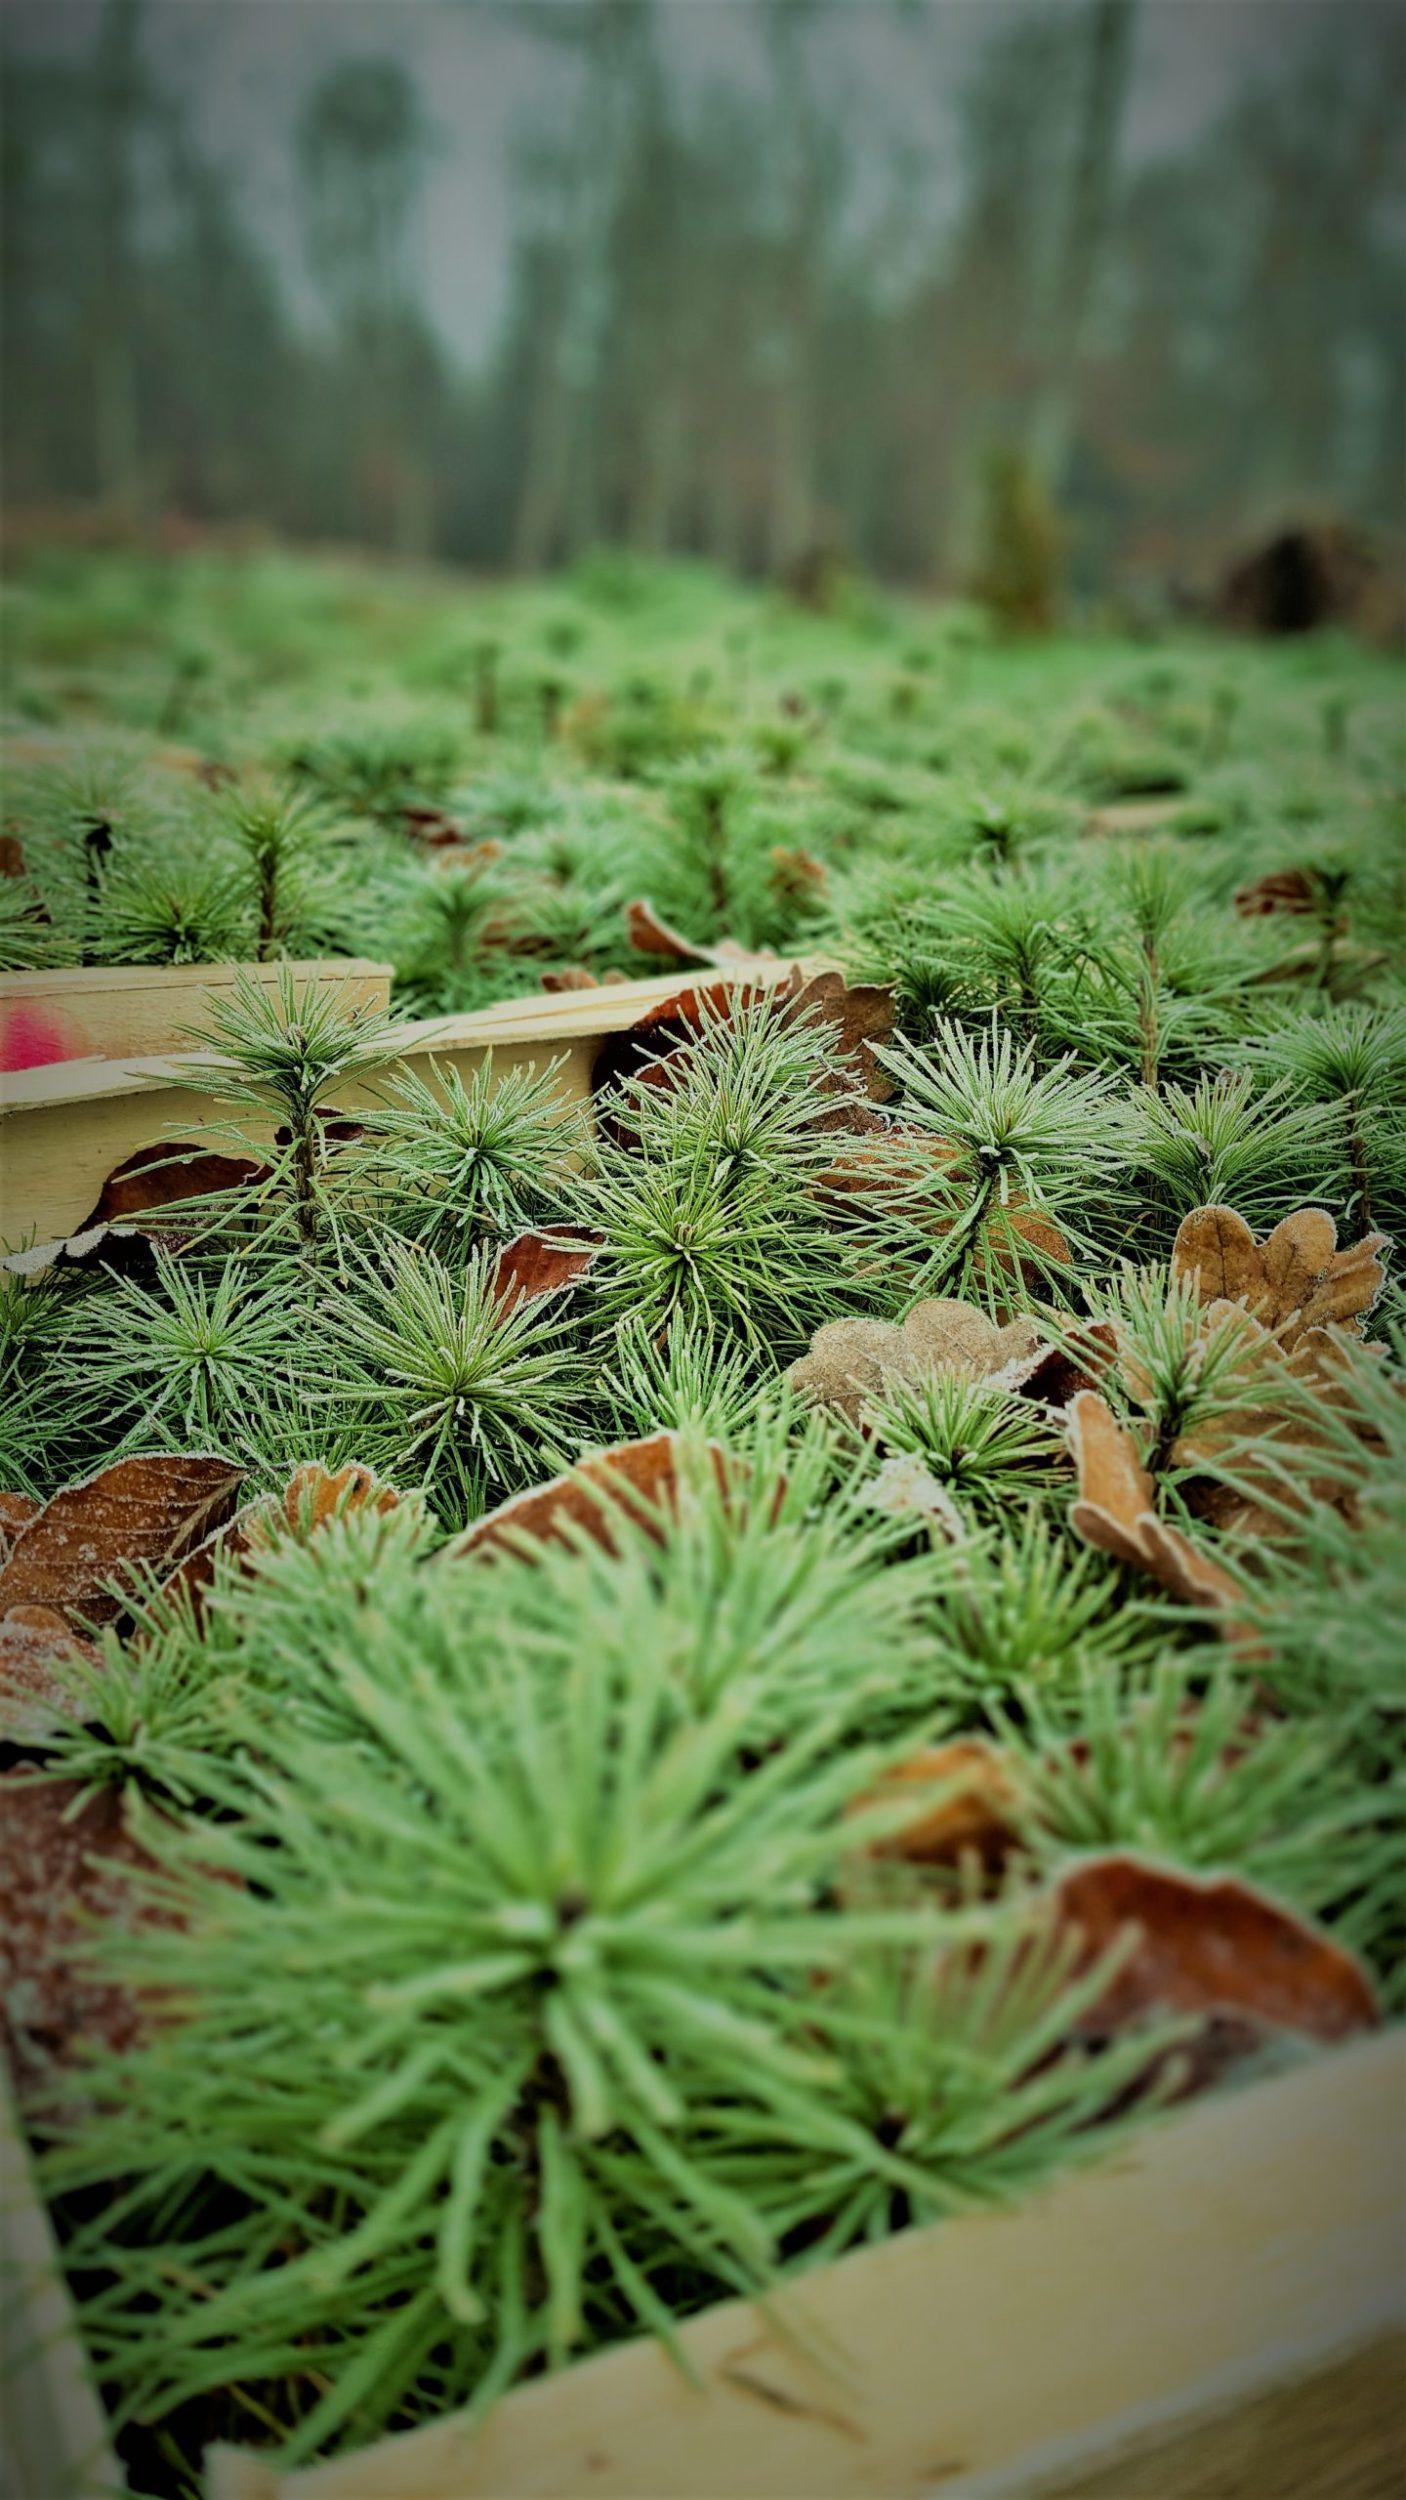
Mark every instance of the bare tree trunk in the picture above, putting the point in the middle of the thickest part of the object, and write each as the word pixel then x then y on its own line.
pixel 1054 407
pixel 793 517
pixel 117 93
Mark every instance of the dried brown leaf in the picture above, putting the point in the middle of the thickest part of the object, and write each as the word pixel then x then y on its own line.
pixel 852 1361
pixel 138 1513
pixel 162 1176
pixel 966 1804
pixel 640 1478
pixel 16 1512
pixel 1215 1251
pixel 1282 890
pixel 67 1864
pixel 548 1261
pixel 1210 1945
pixel 650 935
pixel 35 1696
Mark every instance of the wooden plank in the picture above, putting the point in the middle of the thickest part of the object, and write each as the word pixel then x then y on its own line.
pixel 53 2432
pixel 125 1011
pixel 1340 2435
pixel 67 1125
pixel 1216 2254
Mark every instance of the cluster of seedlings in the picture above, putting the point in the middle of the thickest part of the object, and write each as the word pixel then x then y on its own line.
pixel 643 1699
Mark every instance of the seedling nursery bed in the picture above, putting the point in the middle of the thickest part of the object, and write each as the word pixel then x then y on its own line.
pixel 700 1558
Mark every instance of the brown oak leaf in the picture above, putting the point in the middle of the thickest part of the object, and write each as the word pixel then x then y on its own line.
pixel 852 1361
pixel 313 1495
pixel 1294 1281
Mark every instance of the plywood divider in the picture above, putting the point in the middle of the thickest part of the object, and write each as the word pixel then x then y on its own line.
pixel 121 1011
pixel 64 1127
pixel 1222 2250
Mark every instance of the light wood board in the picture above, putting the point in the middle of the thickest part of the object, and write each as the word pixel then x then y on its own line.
pixel 1221 2251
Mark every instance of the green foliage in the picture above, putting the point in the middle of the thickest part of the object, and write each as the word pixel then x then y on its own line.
pixel 509 2039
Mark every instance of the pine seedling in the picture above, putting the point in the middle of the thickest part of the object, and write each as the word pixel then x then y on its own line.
pixel 1327 1615
pixel 1226 1142
pixel 152 1715
pixel 1186 1382
pixel 456 1392
pixel 1018 1609
pixel 1020 929
pixel 1177 1761
pixel 381 771
pixel 450 946
pixel 705 794
pixel 460 1161
pixel 36 1430
pixel 286 1053
pixel 166 910
pixel 497 1964
pixel 707 1198
pixel 671 1380
pixel 28 938
pixel 1016 1149
pixel 1350 1061
pixel 957 2087
pixel 182 1363
pixel 990 1451
pixel 275 835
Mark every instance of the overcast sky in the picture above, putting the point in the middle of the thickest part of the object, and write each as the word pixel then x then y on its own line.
pixel 246 66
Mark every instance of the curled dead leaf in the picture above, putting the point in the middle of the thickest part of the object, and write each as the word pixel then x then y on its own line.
pixel 141 1514
pixel 1294 1281
pixel 1115 1509
pixel 651 935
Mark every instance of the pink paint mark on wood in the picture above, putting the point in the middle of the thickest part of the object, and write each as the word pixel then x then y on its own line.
pixel 32 1037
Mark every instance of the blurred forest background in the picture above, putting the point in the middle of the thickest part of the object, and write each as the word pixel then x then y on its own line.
pixel 776 282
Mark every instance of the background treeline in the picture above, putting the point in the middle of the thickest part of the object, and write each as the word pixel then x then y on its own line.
pixel 705 347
